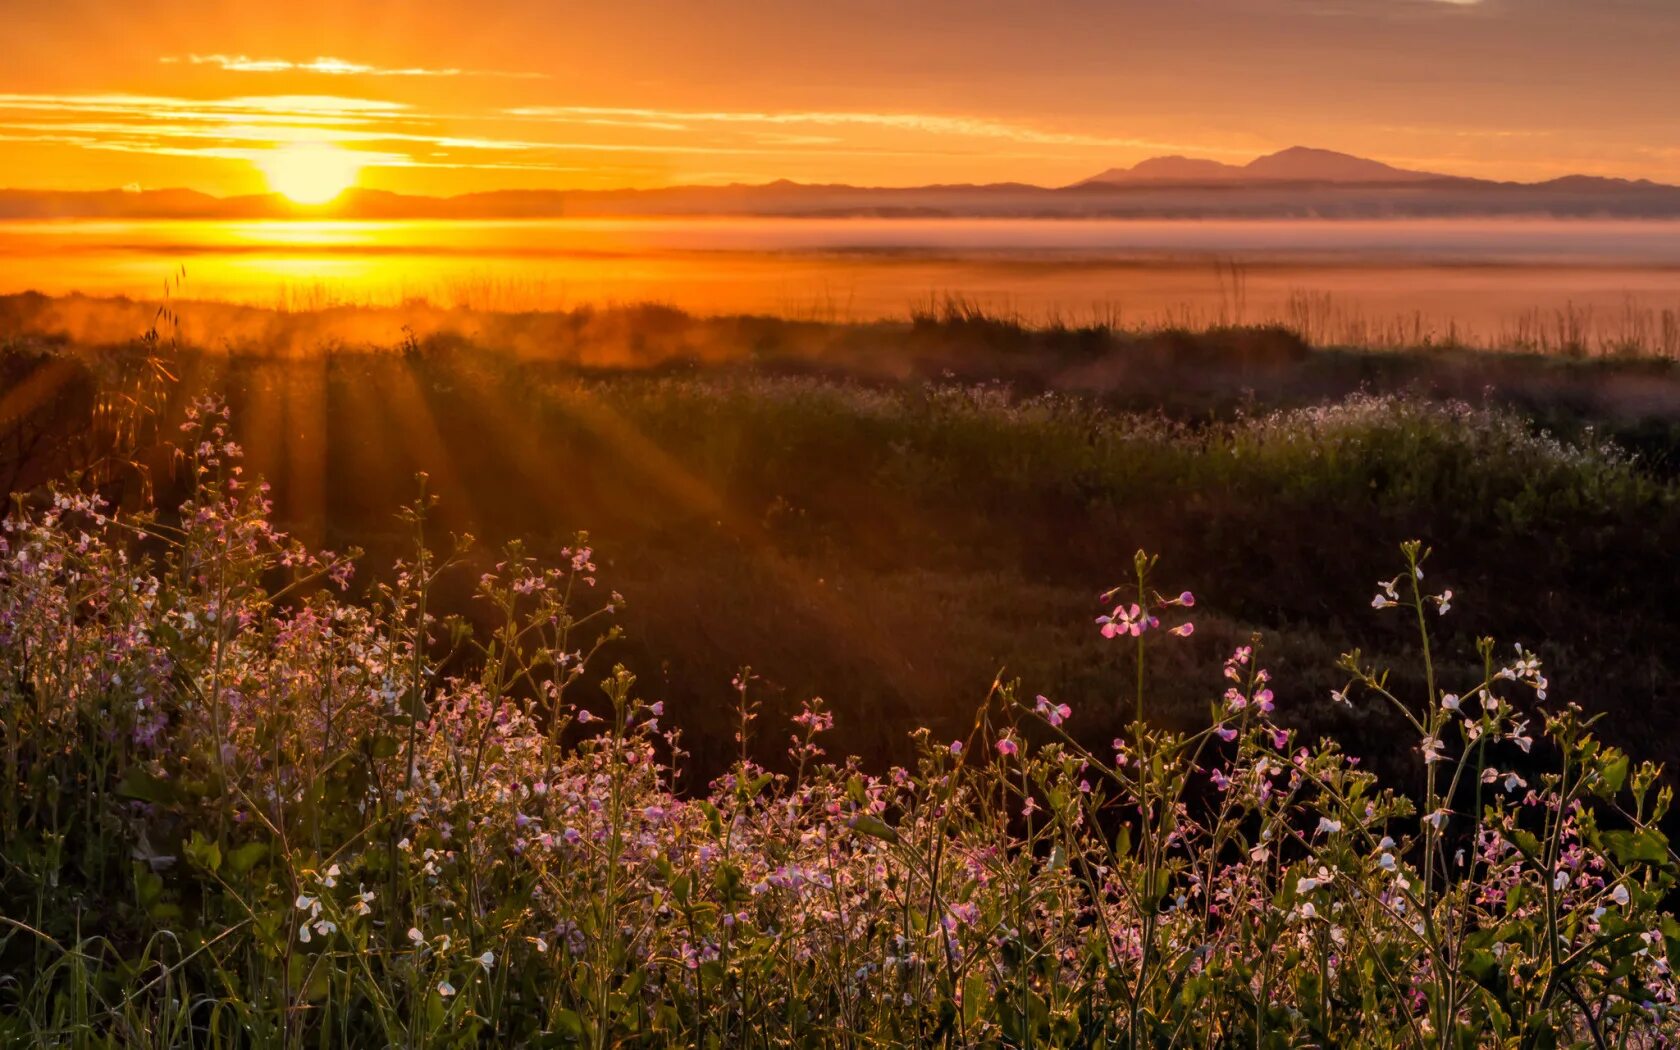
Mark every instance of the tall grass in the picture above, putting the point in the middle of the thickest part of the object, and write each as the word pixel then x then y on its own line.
pixel 240 809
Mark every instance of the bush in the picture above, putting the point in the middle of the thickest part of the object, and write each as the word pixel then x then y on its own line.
pixel 240 810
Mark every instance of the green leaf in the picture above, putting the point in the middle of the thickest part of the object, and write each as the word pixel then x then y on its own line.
pixel 567 1022
pixel 202 852
pixel 242 859
pixel 139 784
pixel 1648 845
pixel 873 826
pixel 1615 773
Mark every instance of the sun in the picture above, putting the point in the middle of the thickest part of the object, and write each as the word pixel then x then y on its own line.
pixel 309 173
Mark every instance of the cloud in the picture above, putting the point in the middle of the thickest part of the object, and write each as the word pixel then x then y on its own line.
pixel 382 133
pixel 329 66
pixel 935 124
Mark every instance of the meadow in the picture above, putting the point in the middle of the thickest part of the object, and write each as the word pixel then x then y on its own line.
pixel 1277 788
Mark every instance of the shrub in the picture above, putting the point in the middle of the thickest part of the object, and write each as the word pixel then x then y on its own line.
pixel 239 809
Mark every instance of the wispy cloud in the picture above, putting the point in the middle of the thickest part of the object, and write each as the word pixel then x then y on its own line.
pixel 926 123
pixel 328 66
pixel 383 133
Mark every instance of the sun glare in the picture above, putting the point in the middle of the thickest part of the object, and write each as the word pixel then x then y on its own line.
pixel 310 174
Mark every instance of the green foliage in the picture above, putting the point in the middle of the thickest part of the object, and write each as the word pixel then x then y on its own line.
pixel 241 809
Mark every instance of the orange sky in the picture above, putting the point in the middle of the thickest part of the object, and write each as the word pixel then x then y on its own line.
pixel 441 97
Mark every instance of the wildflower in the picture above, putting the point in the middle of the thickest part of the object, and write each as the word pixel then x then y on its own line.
pixel 1006 746
pixel 1055 714
pixel 1130 620
pixel 1519 736
pixel 364 898
pixel 1326 826
pixel 1386 862
pixel 1308 883
pixel 445 989
pixel 487 960
pixel 1263 700
pixel 1187 600
pixel 584 718
pixel 1620 895
pixel 1443 602
pixel 1560 880
pixel 415 936
pixel 1184 630
pixel 1432 748
pixel 331 878
pixel 1450 701
pixel 1388 596
pixel 957 747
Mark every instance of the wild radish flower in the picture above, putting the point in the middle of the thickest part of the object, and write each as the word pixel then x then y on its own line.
pixel 1432 748
pixel 1560 880
pixel 1519 736
pixel 1620 895
pixel 1443 602
pixel 1187 599
pixel 445 989
pixel 1184 630
pixel 415 936
pixel 1308 883
pixel 1386 862
pixel 584 718
pixel 1263 700
pixel 957 747
pixel 487 960
pixel 1326 826
pixel 1055 714
pixel 1450 701
pixel 1124 620
pixel 1006 746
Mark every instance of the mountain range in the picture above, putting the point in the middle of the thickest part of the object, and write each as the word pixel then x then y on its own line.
pixel 1298 182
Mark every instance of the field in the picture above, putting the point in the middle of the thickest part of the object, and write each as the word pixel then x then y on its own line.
pixel 902 519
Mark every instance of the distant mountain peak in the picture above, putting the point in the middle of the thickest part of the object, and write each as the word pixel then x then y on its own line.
pixel 1295 164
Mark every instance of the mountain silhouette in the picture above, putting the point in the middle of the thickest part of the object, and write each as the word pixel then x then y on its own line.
pixel 1295 164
